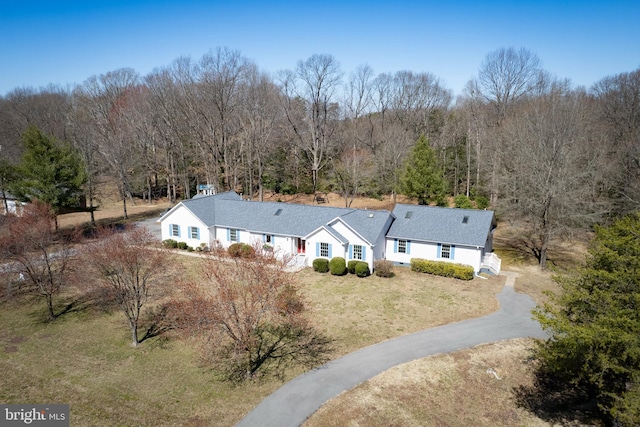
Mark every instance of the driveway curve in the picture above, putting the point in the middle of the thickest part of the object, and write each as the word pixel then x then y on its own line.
pixel 299 398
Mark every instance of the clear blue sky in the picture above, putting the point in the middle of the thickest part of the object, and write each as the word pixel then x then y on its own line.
pixel 67 41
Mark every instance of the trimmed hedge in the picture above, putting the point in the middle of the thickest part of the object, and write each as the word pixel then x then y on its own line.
pixel 338 266
pixel 241 250
pixel 170 243
pixel 321 265
pixel 351 266
pixel 441 268
pixel 362 269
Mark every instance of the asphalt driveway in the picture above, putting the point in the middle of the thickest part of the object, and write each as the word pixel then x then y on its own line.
pixel 299 398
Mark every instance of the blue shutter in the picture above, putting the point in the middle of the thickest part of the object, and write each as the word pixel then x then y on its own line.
pixel 197 233
pixel 439 250
pixel 350 251
pixel 317 248
pixel 453 251
pixel 264 238
pixel 189 232
pixel 228 234
pixel 395 246
pixel 273 239
pixel 364 253
pixel 329 250
pixel 178 230
pixel 408 247
pixel 238 236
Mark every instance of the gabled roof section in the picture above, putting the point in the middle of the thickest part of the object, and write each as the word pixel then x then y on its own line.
pixel 288 219
pixel 202 206
pixel 441 225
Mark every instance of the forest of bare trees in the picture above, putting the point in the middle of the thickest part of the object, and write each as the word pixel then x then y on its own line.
pixel 551 156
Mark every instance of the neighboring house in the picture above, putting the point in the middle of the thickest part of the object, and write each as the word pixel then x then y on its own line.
pixel 310 231
pixel 463 236
pixel 10 204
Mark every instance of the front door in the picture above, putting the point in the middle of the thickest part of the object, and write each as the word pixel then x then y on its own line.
pixel 301 246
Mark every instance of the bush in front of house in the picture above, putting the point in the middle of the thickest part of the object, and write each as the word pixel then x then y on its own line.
pixel 182 245
pixel 362 269
pixel 170 243
pixel 383 268
pixel 442 268
pixel 338 266
pixel 321 265
pixel 351 266
pixel 241 250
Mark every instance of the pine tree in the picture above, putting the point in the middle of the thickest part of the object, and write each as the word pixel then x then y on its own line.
pixel 50 171
pixel 423 177
pixel 594 349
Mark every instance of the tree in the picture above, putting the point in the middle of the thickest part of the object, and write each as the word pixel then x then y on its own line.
pixel 50 171
pixel 308 100
pixel 130 269
pixel 45 260
pixel 423 178
pixel 549 168
pixel 250 317
pixel 594 350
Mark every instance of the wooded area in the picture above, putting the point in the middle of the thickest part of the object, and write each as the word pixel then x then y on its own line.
pixel 548 155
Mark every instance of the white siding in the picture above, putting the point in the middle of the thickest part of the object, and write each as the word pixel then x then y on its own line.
pixel 184 219
pixel 337 249
pixel 461 254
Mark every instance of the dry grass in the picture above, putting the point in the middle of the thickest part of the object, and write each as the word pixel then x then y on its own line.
pixel 359 312
pixel 446 390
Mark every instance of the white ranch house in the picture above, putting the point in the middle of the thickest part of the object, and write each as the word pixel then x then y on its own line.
pixel 308 232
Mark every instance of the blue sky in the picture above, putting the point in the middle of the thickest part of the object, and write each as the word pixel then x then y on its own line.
pixel 67 41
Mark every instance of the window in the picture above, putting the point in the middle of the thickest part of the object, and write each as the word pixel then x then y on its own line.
pixel 194 232
pixel 445 251
pixel 402 246
pixel 324 250
pixel 357 252
pixel 268 238
pixel 174 230
pixel 233 235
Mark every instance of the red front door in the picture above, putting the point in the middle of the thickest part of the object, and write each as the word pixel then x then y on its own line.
pixel 301 246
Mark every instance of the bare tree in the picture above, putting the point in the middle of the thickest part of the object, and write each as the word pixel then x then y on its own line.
pixel 250 317
pixel 549 168
pixel 130 269
pixel 618 109
pixel 45 260
pixel 309 102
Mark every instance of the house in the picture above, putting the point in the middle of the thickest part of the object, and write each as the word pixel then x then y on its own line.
pixel 303 231
pixel 10 204
pixel 462 236
pixel 307 232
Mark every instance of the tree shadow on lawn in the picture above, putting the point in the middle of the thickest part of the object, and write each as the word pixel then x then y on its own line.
pixel 157 321
pixel 558 403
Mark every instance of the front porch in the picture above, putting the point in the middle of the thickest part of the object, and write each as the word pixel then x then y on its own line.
pixel 491 263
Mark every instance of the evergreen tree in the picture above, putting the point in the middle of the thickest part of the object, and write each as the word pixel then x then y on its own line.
pixel 50 171
pixel 423 177
pixel 594 349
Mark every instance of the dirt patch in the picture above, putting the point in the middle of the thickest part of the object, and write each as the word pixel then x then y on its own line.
pixel 113 211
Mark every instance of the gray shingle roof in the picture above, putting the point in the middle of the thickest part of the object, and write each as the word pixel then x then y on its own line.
pixel 291 220
pixel 441 225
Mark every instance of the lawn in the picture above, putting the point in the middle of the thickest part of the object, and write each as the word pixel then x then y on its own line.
pixel 84 358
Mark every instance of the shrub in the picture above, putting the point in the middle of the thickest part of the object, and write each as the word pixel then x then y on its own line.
pixel 441 268
pixel 383 268
pixel 170 243
pixel 321 265
pixel 362 269
pixel 189 249
pixel 462 201
pixel 241 250
pixel 351 266
pixel 182 245
pixel 482 202
pixel 338 266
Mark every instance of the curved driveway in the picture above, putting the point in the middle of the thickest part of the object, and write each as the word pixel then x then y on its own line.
pixel 299 398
